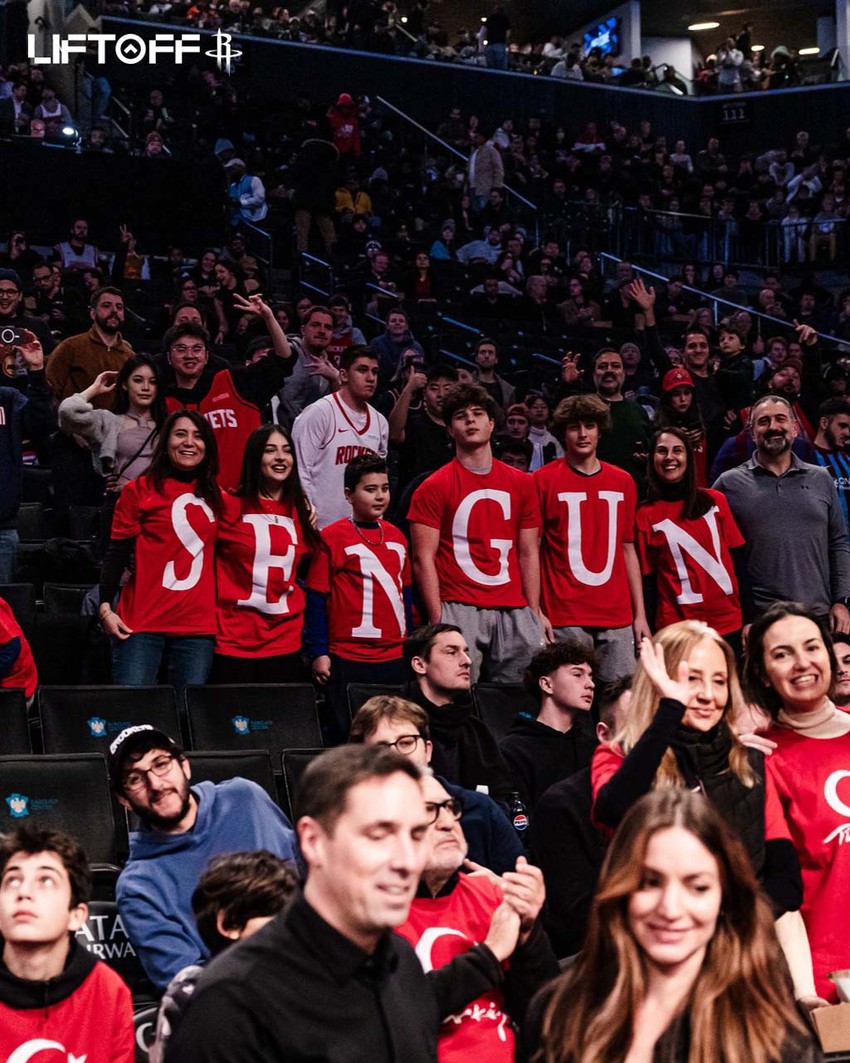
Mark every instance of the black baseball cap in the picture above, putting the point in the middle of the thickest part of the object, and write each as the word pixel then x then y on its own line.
pixel 140 739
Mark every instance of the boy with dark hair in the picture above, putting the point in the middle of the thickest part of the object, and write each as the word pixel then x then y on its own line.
pixel 358 595
pixel 559 741
pixel 590 574
pixel 235 897
pixel 53 993
pixel 337 428
pixel 474 525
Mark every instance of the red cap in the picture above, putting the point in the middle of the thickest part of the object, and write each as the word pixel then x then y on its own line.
pixel 677 378
pixel 344 100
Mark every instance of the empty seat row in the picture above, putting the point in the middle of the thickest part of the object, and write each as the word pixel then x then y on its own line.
pixel 274 717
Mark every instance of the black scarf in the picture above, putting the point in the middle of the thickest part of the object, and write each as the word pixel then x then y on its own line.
pixel 703 759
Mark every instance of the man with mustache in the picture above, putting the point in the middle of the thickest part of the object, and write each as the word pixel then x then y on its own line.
pixel 182 828
pixel 788 511
pixel 626 443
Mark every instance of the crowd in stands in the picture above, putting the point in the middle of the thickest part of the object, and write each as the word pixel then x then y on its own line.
pixel 641 540
pixel 416 32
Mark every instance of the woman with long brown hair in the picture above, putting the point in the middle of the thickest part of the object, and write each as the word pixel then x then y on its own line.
pixel 677 734
pixel 681 962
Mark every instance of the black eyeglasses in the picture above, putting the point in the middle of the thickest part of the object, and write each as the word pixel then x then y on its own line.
pixel 404 745
pixel 138 778
pixel 452 806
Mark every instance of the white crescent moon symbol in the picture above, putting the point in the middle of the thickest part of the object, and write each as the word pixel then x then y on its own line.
pixel 24 1053
pixel 830 792
pixel 426 943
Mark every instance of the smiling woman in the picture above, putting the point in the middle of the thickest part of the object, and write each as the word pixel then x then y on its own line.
pixel 790 669
pixel 167 519
pixel 677 734
pixel 680 958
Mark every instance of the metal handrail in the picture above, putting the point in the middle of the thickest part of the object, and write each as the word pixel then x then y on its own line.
pixel 459 324
pixel 448 147
pixel 457 357
pixel 719 299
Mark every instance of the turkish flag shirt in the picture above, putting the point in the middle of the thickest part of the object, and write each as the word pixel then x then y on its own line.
pixel 812 776
pixel 479 517
pixel 443 927
pixel 691 562
pixel 172 588
pixel 586 521
pixel 260 609
pixel 364 570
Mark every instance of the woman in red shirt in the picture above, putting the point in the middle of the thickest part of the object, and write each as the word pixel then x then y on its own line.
pixel 789 673
pixel 264 533
pixel 686 536
pixel 168 519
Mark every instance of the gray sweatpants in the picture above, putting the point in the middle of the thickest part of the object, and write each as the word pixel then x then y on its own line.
pixel 616 647
pixel 501 641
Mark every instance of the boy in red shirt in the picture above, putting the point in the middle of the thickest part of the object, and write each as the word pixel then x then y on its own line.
pixel 358 595
pixel 474 525
pixel 590 573
pixel 53 994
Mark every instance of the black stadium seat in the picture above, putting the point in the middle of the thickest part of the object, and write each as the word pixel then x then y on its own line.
pixel 68 793
pixel 219 765
pixel 498 703
pixel 359 694
pixel 85 719
pixel 104 936
pixel 293 762
pixel 272 716
pixel 14 727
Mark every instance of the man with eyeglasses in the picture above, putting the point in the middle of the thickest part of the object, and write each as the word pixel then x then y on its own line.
pixel 60 310
pixel 386 720
pixel 230 399
pixel 182 828
pixel 452 912
pixel 12 310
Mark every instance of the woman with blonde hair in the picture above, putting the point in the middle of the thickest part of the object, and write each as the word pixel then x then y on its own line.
pixel 678 734
pixel 681 960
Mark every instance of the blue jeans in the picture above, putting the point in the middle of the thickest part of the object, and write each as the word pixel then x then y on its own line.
pixel 136 661
pixel 496 56
pixel 8 555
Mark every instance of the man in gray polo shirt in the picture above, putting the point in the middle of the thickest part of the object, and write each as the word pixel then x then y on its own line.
pixel 787 510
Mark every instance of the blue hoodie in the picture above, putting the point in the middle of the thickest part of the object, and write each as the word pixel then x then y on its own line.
pixel 154 891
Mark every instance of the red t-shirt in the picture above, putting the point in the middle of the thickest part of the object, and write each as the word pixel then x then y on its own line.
pixel 365 571
pixel 232 420
pixel 691 562
pixel 260 608
pixel 586 521
pixel 23 675
pixel 172 589
pixel 812 776
pixel 479 518
pixel 441 928
pixel 94 1023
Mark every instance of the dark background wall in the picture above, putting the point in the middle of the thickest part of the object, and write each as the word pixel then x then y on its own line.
pixel 426 90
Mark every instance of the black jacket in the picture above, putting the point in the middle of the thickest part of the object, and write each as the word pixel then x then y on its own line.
pixel 299 991
pixel 539 755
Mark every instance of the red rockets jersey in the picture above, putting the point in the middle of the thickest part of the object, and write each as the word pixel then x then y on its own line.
pixel 441 928
pixel 365 579
pixel 94 1023
pixel 172 589
pixel 812 776
pixel 479 518
pixel 586 521
pixel 260 605
pixel 232 420
pixel 691 562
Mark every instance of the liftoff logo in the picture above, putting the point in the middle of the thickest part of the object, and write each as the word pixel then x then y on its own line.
pixel 130 49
